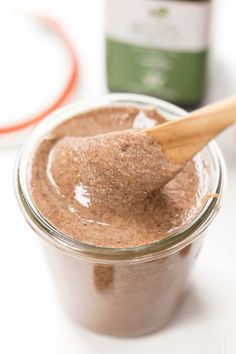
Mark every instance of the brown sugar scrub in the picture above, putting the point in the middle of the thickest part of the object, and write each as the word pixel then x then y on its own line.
pixel 115 169
pixel 98 179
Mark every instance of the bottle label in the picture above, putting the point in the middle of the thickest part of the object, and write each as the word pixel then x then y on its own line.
pixel 157 47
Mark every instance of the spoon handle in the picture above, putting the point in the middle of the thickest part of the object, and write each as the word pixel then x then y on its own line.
pixel 183 138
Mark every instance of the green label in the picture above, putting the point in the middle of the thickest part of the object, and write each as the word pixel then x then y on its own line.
pixel 177 76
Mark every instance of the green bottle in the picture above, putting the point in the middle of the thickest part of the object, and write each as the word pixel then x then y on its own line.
pixel 158 48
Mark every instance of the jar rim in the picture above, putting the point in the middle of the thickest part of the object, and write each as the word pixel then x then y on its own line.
pixel 173 242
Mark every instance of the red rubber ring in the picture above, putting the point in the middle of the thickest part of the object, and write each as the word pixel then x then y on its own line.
pixel 65 92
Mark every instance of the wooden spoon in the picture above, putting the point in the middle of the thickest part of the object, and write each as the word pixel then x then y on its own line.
pixel 183 138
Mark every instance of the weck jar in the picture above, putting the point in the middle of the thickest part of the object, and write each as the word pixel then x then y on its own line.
pixel 120 291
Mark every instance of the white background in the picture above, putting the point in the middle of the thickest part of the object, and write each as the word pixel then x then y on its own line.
pixel 30 318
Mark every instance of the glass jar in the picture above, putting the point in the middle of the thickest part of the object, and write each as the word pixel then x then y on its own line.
pixel 125 292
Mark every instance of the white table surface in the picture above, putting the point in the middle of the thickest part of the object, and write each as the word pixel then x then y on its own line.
pixel 31 321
